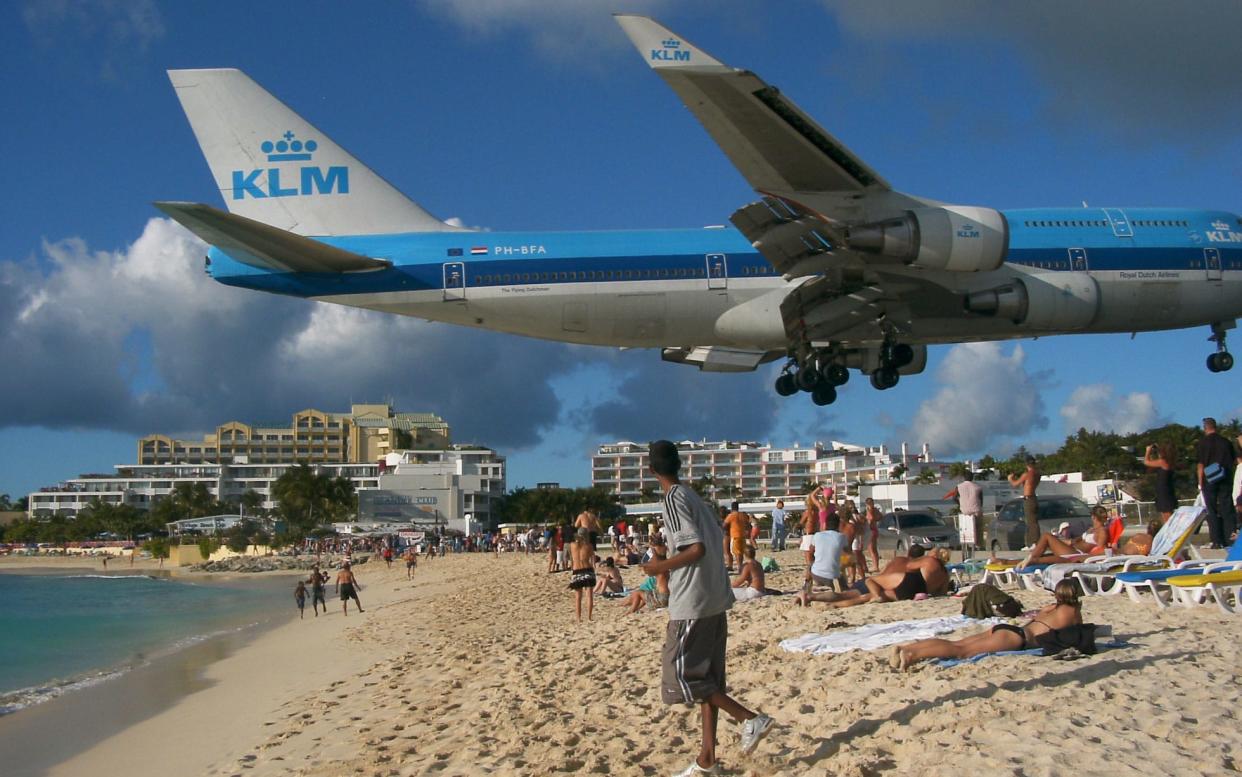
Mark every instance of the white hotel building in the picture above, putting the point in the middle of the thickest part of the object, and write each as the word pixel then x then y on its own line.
pixel 454 483
pixel 760 471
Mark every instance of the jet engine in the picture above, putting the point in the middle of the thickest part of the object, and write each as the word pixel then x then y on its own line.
pixel 1049 301
pixel 957 238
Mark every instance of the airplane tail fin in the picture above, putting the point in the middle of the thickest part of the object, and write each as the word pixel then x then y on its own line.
pixel 273 166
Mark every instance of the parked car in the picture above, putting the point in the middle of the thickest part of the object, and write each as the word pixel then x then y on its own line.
pixel 903 528
pixel 1007 531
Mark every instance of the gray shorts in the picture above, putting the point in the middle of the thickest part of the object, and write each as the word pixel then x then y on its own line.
pixel 694 659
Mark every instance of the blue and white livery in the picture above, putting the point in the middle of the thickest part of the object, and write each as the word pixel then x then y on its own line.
pixel 830 270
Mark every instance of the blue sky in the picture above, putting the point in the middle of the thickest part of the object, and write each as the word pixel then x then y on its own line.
pixel 539 115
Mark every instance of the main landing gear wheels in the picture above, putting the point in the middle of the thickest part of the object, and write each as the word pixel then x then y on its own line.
pixel 885 378
pixel 1222 360
pixel 817 375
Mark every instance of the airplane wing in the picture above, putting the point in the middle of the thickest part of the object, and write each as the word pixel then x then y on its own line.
pixel 775 146
pixel 261 245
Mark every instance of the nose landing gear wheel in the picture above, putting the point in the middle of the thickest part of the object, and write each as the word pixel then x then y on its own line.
pixel 786 385
pixel 824 395
pixel 1220 362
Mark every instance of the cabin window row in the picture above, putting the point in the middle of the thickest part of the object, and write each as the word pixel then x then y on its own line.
pixel 585 275
pixel 1067 223
pixel 1093 223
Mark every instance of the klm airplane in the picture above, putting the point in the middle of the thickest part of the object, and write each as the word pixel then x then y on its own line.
pixel 831 270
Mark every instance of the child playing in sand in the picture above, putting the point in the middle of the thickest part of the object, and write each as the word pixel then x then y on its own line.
pixel 299 596
pixel 582 557
pixel 654 590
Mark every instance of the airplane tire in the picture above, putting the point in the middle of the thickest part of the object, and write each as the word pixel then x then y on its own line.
pixel 1212 363
pixel 884 378
pixel 824 395
pixel 901 354
pixel 1224 361
pixel 786 385
pixel 835 375
pixel 808 377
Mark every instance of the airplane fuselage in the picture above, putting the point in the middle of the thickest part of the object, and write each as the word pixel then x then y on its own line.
pixel 1084 269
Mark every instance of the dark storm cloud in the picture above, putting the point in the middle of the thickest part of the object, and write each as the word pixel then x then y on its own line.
pixel 659 400
pixel 1159 70
pixel 141 341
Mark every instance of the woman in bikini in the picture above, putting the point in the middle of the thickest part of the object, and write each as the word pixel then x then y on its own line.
pixel 1067 611
pixel 1053 550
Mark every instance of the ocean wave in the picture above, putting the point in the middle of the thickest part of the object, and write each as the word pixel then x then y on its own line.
pixel 12 701
pixel 121 576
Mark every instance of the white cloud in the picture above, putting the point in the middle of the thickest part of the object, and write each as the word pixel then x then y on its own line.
pixel 986 396
pixel 1096 408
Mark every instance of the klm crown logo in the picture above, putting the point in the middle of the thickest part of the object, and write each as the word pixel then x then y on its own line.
pixel 289 149
pixel 1218 224
pixel 670 51
pixel 262 183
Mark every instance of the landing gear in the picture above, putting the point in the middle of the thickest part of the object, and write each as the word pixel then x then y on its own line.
pixel 824 395
pixel 885 378
pixel 1222 360
pixel 786 385
pixel 834 374
pixel 815 372
pixel 807 377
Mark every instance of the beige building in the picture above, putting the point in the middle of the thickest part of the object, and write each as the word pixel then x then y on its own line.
pixel 365 434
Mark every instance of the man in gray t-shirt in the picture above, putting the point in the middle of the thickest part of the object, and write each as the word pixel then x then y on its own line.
pixel 699 600
pixel 699 589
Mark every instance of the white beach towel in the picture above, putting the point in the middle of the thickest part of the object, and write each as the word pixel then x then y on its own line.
pixel 878 635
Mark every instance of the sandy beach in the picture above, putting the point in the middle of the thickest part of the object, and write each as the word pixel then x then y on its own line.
pixel 477 667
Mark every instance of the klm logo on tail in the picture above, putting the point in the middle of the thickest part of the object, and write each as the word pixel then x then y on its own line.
pixel 670 51
pixel 309 178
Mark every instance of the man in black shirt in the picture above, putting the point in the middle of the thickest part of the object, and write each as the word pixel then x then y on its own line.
pixel 1217 459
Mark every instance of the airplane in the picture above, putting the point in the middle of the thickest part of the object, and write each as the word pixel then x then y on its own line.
pixel 831 269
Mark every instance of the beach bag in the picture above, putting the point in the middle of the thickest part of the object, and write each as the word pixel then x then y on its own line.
pixel 1213 473
pixel 768 564
pixel 1080 637
pixel 988 601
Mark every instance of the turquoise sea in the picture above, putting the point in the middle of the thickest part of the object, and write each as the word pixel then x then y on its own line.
pixel 61 633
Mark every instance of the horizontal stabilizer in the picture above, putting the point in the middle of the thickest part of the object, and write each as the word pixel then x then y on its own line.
pixel 260 245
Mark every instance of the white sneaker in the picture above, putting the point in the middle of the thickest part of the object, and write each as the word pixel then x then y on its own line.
pixel 694 768
pixel 753 730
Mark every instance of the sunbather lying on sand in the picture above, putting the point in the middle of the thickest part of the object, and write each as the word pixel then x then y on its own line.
pixel 903 579
pixel 1067 611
